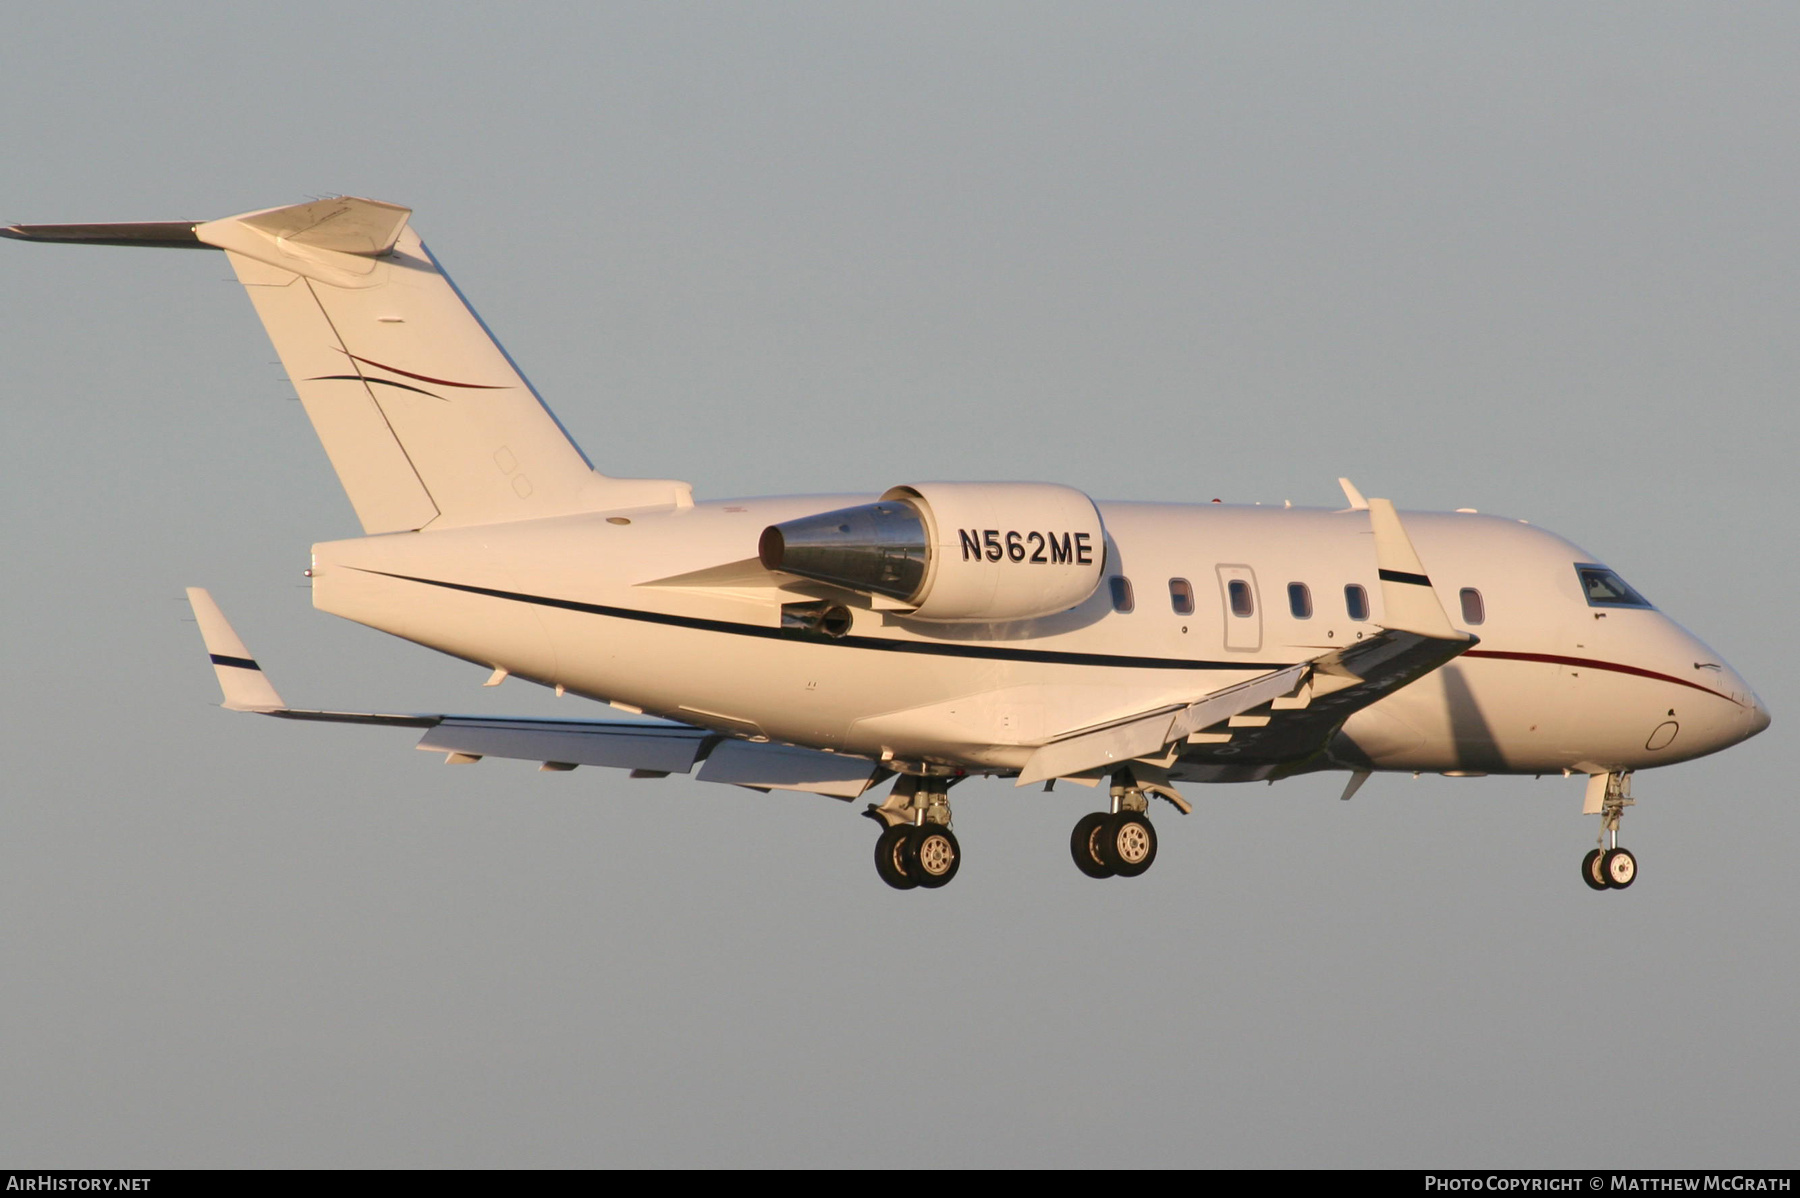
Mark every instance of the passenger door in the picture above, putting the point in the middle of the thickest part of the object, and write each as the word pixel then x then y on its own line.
pixel 1242 607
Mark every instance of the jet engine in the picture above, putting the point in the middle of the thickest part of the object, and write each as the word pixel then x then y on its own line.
pixel 953 551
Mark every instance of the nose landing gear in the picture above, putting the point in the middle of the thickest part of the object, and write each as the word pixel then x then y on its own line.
pixel 1609 867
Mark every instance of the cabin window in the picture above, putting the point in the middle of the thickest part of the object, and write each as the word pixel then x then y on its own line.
pixel 1243 603
pixel 1121 594
pixel 1603 588
pixel 1181 596
pixel 1300 600
pixel 1474 610
pixel 1356 601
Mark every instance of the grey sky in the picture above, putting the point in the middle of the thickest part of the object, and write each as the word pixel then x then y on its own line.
pixel 1532 259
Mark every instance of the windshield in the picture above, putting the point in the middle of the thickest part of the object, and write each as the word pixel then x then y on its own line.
pixel 1603 588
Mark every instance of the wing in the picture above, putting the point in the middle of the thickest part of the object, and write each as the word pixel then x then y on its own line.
pixel 648 750
pixel 1297 726
pixel 1291 714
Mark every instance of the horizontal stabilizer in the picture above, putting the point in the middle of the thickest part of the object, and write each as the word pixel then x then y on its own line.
pixel 159 234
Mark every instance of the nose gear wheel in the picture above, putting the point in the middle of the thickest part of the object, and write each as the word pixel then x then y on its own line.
pixel 1610 867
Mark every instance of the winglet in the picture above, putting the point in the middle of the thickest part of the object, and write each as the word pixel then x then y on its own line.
pixel 246 687
pixel 1409 604
pixel 1353 496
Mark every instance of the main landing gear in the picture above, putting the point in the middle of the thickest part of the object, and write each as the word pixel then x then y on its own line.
pixel 1610 867
pixel 1117 843
pixel 917 847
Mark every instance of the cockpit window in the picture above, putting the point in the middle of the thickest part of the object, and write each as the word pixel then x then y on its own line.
pixel 1603 588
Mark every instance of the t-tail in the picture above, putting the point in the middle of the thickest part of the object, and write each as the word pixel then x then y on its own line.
pixel 425 418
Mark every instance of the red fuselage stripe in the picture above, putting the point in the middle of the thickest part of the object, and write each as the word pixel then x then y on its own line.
pixel 1590 663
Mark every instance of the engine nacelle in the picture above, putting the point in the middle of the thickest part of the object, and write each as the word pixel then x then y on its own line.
pixel 954 551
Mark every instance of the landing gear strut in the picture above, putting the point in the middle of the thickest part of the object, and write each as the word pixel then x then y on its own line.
pixel 917 847
pixel 1117 843
pixel 1610 867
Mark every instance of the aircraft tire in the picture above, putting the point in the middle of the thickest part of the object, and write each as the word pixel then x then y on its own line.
pixel 1084 844
pixel 932 855
pixel 1590 870
pixel 890 857
pixel 1128 844
pixel 1619 867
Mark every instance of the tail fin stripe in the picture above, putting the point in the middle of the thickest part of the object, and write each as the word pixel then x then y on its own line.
pixel 423 378
pixel 363 378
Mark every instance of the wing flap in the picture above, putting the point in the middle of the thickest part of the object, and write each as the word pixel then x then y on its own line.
pixel 1339 685
pixel 1149 734
pixel 669 749
pixel 785 767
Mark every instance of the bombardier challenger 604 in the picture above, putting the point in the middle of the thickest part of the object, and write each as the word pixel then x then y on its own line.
pixel 934 631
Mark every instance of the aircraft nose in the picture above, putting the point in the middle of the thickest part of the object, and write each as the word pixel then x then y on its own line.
pixel 1752 715
pixel 1759 714
pixel 1737 714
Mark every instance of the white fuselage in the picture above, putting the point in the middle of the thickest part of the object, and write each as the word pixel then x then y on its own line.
pixel 598 604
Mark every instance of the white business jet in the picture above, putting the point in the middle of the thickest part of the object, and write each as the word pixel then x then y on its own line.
pixel 934 632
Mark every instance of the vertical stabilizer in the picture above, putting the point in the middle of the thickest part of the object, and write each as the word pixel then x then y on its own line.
pixel 422 413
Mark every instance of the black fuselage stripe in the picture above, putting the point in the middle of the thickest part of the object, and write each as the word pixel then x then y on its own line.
pixel 880 644
pixel 1418 580
pixel 242 663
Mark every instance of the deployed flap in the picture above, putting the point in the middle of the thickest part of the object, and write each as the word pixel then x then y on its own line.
pixel 1149 734
pixel 658 748
pixel 785 767
pixel 1339 684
